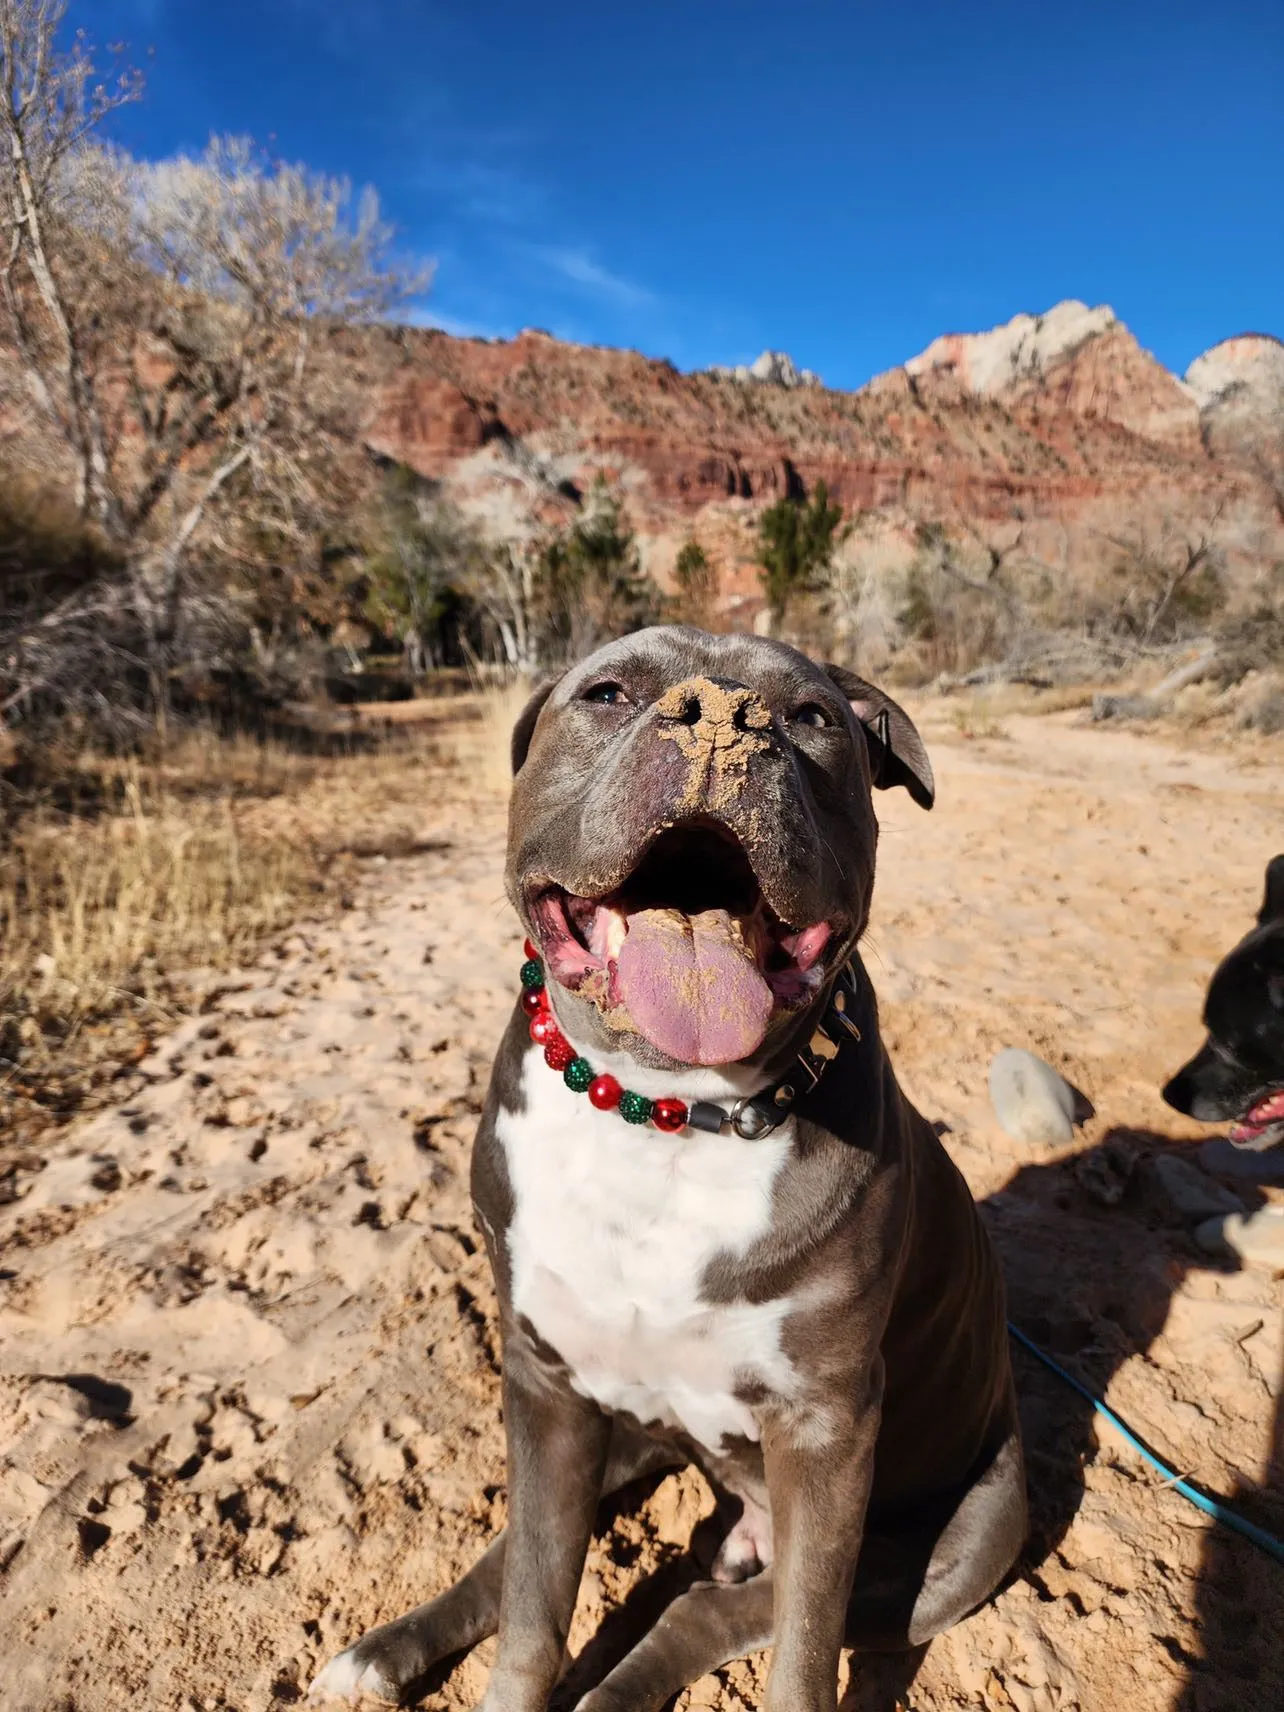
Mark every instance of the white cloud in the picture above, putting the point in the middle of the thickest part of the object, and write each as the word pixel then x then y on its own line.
pixel 426 316
pixel 580 269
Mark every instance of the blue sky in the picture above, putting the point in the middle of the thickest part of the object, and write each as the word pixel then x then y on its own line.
pixel 701 179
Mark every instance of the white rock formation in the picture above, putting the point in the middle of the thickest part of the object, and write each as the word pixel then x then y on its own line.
pixel 1250 366
pixel 1026 345
pixel 772 368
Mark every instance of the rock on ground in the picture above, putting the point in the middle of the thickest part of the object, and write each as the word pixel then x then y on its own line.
pixel 1032 1102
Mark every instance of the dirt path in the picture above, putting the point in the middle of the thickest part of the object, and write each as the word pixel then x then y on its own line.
pixel 248 1393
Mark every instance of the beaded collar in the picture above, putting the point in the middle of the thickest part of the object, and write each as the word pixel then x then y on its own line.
pixel 748 1118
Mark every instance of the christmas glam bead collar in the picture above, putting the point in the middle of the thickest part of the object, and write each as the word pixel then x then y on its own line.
pixel 749 1118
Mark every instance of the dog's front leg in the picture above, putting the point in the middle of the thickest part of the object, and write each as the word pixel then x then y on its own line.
pixel 818 1469
pixel 557 1450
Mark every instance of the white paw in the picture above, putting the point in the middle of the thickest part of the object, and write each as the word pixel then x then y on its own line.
pixel 344 1678
pixel 747 1549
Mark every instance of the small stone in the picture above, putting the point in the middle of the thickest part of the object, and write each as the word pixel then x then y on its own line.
pixel 1031 1101
pixel 1257 1238
pixel 1194 1195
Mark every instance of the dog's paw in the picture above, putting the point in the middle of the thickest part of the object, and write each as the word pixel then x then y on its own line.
pixel 348 1677
pixel 747 1549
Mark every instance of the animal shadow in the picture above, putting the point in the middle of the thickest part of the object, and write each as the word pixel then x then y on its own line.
pixel 1093 1252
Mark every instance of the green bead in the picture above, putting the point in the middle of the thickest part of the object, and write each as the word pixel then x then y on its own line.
pixel 532 975
pixel 577 1075
pixel 634 1108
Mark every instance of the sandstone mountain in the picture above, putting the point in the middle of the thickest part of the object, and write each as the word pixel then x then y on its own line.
pixel 1239 386
pixel 1055 437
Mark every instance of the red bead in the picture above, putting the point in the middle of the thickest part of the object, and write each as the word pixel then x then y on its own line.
pixel 530 949
pixel 543 1027
pixel 533 1001
pixel 670 1115
pixel 604 1093
pixel 558 1051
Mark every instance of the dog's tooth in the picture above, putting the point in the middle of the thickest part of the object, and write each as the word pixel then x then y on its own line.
pixel 617 929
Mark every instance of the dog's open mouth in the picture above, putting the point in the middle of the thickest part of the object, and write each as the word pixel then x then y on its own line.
pixel 1262 1125
pixel 687 951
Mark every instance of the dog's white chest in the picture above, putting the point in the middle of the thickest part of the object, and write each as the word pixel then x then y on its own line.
pixel 612 1231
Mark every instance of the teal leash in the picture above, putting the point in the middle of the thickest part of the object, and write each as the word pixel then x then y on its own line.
pixel 1210 1506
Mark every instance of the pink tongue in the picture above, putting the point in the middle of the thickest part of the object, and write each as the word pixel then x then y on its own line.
pixel 691 987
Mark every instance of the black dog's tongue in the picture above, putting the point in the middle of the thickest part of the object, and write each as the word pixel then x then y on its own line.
pixel 692 987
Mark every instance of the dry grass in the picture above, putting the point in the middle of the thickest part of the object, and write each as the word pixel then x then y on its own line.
pixel 491 739
pixel 94 913
pixel 978 722
pixel 119 880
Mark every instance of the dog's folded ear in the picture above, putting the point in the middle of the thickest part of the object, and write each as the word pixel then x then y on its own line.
pixel 896 752
pixel 524 730
pixel 1273 903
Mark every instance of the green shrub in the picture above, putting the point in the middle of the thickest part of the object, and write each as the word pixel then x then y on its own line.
pixel 796 544
pixel 697 584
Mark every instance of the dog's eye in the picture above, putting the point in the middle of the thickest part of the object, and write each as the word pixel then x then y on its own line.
pixel 606 695
pixel 810 713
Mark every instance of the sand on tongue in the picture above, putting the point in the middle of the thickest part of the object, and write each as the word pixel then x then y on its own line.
pixel 691 987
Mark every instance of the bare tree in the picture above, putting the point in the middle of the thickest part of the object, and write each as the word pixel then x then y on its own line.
pixel 51 100
pixel 166 317
pixel 1165 578
pixel 502 585
pixel 427 556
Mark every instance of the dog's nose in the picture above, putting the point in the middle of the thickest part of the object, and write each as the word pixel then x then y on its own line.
pixel 714 707
pixel 1177 1093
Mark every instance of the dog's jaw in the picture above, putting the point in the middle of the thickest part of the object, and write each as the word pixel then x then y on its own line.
pixel 686 953
pixel 1262 1125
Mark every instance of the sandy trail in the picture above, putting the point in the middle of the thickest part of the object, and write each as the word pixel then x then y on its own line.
pixel 248 1382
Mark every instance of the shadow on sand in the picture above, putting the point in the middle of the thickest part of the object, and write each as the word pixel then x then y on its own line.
pixel 1092 1285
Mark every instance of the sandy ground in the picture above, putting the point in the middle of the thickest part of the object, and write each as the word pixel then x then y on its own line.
pixel 248 1380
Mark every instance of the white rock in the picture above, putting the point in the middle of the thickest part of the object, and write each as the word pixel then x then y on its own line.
pixel 1251 365
pixel 1031 1101
pixel 1257 1238
pixel 772 368
pixel 1194 1195
pixel 1026 345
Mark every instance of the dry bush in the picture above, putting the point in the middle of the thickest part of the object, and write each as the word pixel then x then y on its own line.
pixel 1261 705
pixel 952 627
pixel 978 721
pixel 1252 639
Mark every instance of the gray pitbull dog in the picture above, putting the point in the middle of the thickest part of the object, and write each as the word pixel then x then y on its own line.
pixel 794 1291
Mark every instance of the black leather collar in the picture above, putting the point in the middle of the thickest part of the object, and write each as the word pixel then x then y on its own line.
pixel 759 1114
